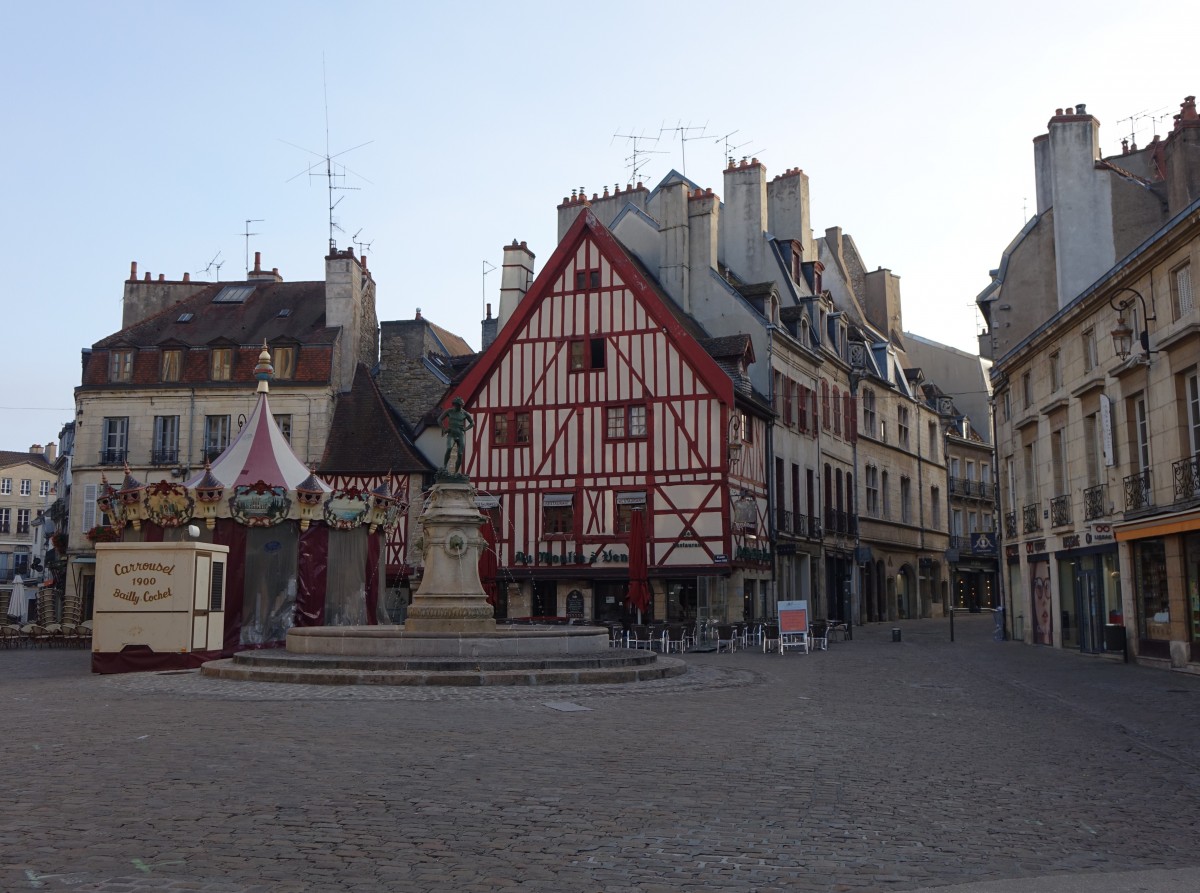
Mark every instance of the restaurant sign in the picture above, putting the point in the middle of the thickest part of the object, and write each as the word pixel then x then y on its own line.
pixel 599 556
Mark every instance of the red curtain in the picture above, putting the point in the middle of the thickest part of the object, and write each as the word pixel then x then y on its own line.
pixel 312 575
pixel 230 533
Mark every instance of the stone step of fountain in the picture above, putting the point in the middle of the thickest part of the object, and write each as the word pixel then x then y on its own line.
pixel 316 671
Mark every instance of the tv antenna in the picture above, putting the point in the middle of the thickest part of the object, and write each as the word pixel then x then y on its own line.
pixel 216 263
pixel 729 149
pixel 364 246
pixel 634 162
pixel 248 234
pixel 684 138
pixel 487 268
pixel 334 178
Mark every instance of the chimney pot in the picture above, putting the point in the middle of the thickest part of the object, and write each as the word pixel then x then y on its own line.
pixel 257 261
pixel 1058 112
pixel 489 310
pixel 187 277
pixel 162 277
pixel 147 278
pixel 1081 109
pixel 132 270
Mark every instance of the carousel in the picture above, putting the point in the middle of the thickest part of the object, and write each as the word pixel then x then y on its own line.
pixel 294 551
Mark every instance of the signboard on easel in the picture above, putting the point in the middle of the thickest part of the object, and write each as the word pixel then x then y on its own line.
pixel 793 617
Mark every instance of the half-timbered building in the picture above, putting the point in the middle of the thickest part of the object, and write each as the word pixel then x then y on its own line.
pixel 597 399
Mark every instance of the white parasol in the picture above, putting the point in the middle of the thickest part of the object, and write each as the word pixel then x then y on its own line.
pixel 18 604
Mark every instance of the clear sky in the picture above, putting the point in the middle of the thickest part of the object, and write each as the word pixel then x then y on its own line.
pixel 152 131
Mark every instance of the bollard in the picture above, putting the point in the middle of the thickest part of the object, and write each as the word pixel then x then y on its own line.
pixel 895 634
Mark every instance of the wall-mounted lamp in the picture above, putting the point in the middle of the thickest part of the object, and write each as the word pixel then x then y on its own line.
pixel 1122 335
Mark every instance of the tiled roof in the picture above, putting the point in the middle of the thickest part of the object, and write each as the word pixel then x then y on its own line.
pixel 16 457
pixel 365 437
pixel 243 325
pixel 726 346
pixel 247 322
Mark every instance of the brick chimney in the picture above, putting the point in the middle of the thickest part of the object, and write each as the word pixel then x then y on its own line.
pixel 567 212
pixel 490 329
pixel 51 452
pixel 146 297
pixel 1183 158
pixel 516 274
pixel 743 248
pixel 350 304
pixel 788 211
pixel 704 227
pixel 1082 200
pixel 258 274
pixel 674 259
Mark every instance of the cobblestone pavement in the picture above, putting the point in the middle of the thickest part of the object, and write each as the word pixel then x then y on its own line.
pixel 876 765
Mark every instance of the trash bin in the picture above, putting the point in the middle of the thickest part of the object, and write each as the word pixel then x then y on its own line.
pixel 1114 637
pixel 895 634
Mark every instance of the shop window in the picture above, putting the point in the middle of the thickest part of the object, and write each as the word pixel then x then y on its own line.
pixel 1150 586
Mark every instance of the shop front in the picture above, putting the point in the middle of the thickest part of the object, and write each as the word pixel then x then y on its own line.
pixel 1089 586
pixel 1163 558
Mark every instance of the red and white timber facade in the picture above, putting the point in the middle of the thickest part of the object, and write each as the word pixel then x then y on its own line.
pixel 596 400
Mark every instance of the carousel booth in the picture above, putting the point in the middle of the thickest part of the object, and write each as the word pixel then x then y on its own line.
pixel 295 551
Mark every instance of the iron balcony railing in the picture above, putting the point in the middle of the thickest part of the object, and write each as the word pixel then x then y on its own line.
pixel 165 457
pixel 1095 502
pixel 1032 518
pixel 113 457
pixel 1187 480
pixel 1010 525
pixel 1060 511
pixel 1138 494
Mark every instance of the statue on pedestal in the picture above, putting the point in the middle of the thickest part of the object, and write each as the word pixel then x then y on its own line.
pixel 455 422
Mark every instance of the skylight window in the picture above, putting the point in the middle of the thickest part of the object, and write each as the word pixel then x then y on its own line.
pixel 284 313
pixel 233 294
pixel 185 317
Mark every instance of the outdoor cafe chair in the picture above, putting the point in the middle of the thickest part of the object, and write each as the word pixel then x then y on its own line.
pixel 726 637
pixel 676 637
pixel 10 637
pixel 818 635
pixel 770 637
pixel 639 637
pixel 36 634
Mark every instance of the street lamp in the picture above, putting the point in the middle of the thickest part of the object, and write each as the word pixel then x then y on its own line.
pixel 1122 335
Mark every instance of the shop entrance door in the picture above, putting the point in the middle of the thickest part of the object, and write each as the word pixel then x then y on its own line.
pixel 545 598
pixel 1089 610
pixel 711 605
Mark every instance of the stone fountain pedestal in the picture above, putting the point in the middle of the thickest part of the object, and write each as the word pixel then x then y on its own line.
pixel 450 636
pixel 451 598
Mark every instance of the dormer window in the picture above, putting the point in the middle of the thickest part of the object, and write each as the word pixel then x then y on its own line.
pixel 222 364
pixel 172 364
pixel 120 365
pixel 284 361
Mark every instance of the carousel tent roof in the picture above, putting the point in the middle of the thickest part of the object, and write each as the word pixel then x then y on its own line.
pixel 260 452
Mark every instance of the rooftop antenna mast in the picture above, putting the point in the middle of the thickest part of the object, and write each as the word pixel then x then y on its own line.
pixel 729 150
pixel 208 267
pixel 487 268
pixel 248 234
pixel 684 138
pixel 334 179
pixel 633 162
pixel 364 246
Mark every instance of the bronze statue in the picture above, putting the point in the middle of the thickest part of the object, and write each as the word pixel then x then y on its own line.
pixel 456 422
